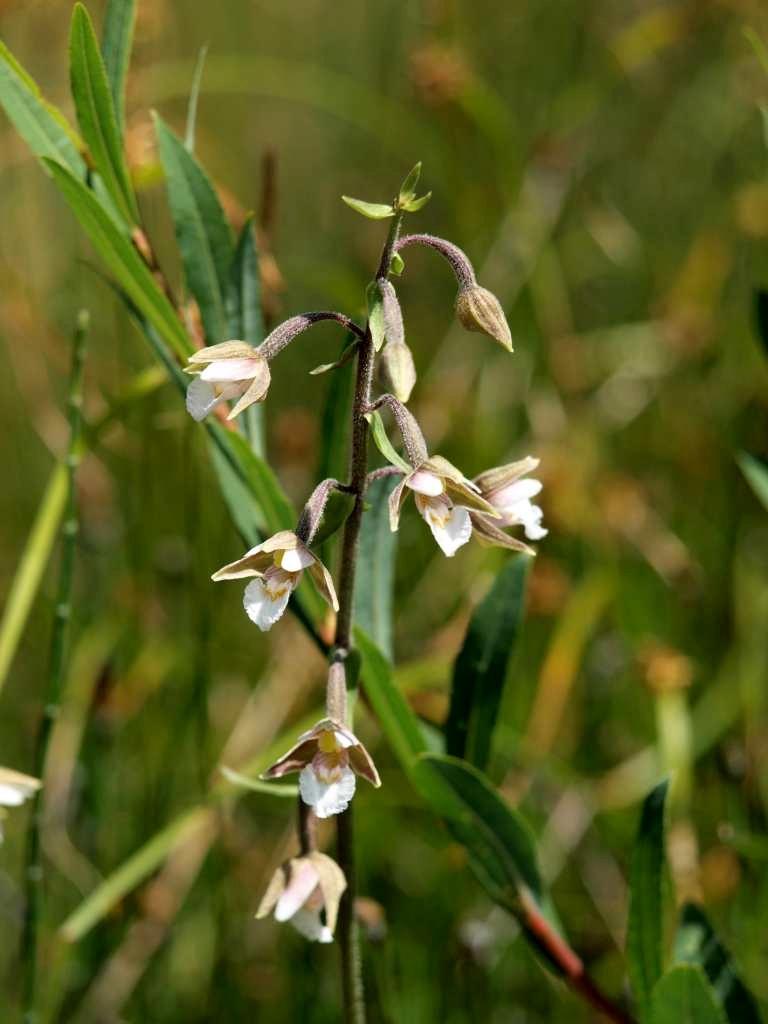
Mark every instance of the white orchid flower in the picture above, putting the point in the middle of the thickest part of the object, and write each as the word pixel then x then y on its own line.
pixel 444 497
pixel 305 891
pixel 277 564
pixel 510 495
pixel 231 371
pixel 329 757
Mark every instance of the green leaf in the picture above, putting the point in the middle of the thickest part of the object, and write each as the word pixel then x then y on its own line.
pixel 202 231
pixel 499 843
pixel 116 41
pixel 130 271
pixel 646 918
pixel 683 996
pixel 96 114
pixel 334 426
pixel 276 511
pixel 32 565
pixel 382 442
pixel 259 785
pixel 347 355
pixel 374 211
pixel 244 319
pixel 480 668
pixel 374 592
pixel 696 942
pixel 761 309
pixel 408 188
pixel 194 95
pixel 414 205
pixel 41 125
pixel 397 266
pixel 756 474
pixel 133 871
pixel 375 314
pixel 400 724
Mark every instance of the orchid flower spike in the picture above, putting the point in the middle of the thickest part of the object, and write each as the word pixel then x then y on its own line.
pixel 510 495
pixel 444 497
pixel 15 788
pixel 329 757
pixel 277 564
pixel 225 372
pixel 306 891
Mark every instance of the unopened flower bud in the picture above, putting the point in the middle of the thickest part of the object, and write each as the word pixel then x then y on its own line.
pixel 479 310
pixel 398 370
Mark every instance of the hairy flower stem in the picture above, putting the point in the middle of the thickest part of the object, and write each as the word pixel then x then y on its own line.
pixel 349 941
pixel 57 675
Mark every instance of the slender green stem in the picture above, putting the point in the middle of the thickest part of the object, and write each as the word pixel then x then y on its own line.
pixel 57 673
pixel 348 937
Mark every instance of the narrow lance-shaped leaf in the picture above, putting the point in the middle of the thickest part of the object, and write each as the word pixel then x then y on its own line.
pixel 334 452
pixel 96 114
pixel 244 319
pixel 116 41
pixel 382 442
pixel 130 271
pixel 645 927
pixel 480 668
pixel 498 841
pixel 696 942
pixel 374 211
pixel 202 231
pixel 400 724
pixel 374 591
pixel 39 123
pixel 756 475
pixel 684 996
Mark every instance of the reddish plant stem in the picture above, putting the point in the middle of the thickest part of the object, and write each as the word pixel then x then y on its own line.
pixel 541 933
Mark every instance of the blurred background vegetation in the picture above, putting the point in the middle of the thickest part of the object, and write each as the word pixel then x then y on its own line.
pixel 603 164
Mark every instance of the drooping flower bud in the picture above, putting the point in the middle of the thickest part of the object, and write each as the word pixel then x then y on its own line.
pixel 306 892
pixel 479 310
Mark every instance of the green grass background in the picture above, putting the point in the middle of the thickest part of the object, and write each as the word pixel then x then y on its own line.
pixel 603 164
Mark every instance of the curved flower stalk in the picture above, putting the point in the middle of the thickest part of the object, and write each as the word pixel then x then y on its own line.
pixel 306 891
pixel 510 495
pixel 232 370
pixel 329 757
pixel 444 498
pixel 15 788
pixel 477 309
pixel 277 564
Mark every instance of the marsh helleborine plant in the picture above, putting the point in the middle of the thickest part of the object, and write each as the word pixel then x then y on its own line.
pixel 311 890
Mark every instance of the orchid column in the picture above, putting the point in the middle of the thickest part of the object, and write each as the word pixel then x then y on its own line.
pixel 311 890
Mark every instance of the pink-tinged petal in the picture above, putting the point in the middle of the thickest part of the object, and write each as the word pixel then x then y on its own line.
pixel 520 490
pixel 224 350
pixel 202 399
pixel 298 757
pixel 324 583
pixel 301 884
pixel 295 560
pixel 362 764
pixel 309 924
pixel 424 482
pixel 261 606
pixel 255 392
pixel 396 499
pixel 253 563
pixel 330 798
pixel 487 533
pixel 501 476
pixel 221 370
pixel 450 525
